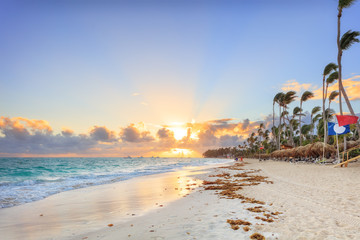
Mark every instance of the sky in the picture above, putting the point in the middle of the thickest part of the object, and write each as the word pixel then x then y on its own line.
pixel 156 77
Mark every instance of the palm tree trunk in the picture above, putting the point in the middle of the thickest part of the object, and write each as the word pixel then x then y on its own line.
pixel 300 122
pixel 279 130
pixel 324 117
pixel 339 58
pixel 291 137
pixel 339 64
pixel 349 105
pixel 273 129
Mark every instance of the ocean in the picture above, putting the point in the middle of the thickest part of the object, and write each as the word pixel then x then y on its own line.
pixel 24 180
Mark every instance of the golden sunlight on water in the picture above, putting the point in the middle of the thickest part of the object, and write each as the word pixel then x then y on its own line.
pixel 179 152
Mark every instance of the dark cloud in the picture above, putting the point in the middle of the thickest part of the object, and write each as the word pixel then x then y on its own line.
pixel 102 134
pixel 245 124
pixel 164 133
pixel 132 134
pixel 230 140
pixel 224 120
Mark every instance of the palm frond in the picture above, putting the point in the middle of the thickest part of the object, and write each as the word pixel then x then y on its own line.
pixel 329 113
pixel 306 96
pixel 306 129
pixel 345 3
pixel 317 117
pixel 333 95
pixel 296 110
pixel 348 39
pixel 277 97
pixel 334 76
pixel 284 113
pixel 315 110
pixel 330 67
pixel 289 97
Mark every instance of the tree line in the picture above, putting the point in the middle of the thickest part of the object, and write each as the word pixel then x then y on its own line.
pixel 291 130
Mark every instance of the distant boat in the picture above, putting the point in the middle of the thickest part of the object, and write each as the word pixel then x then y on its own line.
pixel 128 157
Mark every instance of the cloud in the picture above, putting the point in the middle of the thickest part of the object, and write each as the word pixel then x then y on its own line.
pixel 66 132
pixel 24 137
pixel 351 85
pixel 102 134
pixel 293 85
pixel 164 133
pixel 133 134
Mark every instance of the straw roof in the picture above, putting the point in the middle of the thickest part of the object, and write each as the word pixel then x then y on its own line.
pixel 349 144
pixel 316 149
pixel 310 150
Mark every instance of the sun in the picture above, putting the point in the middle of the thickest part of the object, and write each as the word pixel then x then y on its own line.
pixel 179 132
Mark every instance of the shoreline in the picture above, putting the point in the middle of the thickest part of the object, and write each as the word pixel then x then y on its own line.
pixel 75 212
pixel 313 202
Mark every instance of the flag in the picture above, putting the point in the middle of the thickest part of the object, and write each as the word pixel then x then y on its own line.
pixel 334 128
pixel 261 147
pixel 346 119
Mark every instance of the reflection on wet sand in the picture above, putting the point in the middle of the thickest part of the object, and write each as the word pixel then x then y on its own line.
pixel 69 213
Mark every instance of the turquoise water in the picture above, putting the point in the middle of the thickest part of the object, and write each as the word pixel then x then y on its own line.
pixel 25 180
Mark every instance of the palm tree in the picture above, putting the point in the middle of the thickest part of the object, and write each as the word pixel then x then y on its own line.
pixel 304 97
pixel 332 96
pixel 330 80
pixel 288 98
pixel 343 44
pixel 276 99
pixel 280 98
pixel 260 131
pixel 314 111
pixel 305 130
pixel 327 70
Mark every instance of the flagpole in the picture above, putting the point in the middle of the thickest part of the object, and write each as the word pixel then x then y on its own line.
pixel 337 144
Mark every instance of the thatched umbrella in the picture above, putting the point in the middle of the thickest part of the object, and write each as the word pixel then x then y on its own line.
pixel 300 151
pixel 316 149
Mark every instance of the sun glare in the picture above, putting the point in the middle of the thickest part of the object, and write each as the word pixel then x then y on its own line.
pixel 178 152
pixel 179 133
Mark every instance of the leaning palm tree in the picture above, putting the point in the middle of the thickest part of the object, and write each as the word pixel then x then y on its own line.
pixel 305 130
pixel 330 80
pixel 304 97
pixel 288 98
pixel 343 44
pixel 314 111
pixel 279 102
pixel 276 99
pixel 327 70
pixel 332 96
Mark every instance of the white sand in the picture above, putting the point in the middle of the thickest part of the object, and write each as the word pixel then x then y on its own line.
pixel 318 202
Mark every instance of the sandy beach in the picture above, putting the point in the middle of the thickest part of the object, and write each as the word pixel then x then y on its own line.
pixel 313 202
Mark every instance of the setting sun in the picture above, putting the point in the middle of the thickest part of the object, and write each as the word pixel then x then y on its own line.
pixel 179 132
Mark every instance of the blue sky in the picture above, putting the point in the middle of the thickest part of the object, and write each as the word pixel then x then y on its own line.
pixel 78 63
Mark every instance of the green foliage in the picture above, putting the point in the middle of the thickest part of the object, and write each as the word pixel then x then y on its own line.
pixel 330 67
pixel 315 110
pixel 333 76
pixel 333 95
pixel 288 98
pixel 306 96
pixel 305 129
pixel 348 39
pixel 345 3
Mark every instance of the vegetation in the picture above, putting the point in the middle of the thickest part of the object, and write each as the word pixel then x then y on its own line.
pixel 291 131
